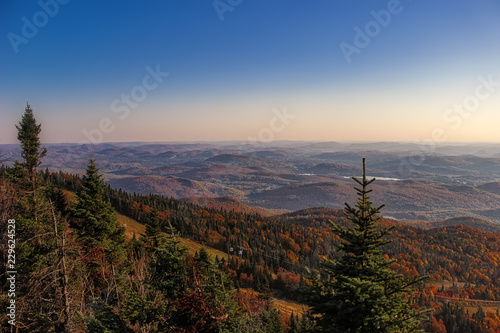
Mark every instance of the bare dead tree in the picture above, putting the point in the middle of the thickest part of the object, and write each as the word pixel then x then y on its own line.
pixel 60 244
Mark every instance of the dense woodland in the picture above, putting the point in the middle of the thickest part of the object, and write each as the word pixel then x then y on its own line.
pixel 79 273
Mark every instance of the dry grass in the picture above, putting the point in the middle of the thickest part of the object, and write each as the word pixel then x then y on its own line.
pixel 446 283
pixel 288 307
pixel 473 309
pixel 131 226
pixel 193 247
pixel 469 305
pixel 284 306
pixel 70 196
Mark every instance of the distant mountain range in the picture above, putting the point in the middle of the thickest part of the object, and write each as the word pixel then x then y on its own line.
pixel 468 221
pixel 416 182
pixel 405 199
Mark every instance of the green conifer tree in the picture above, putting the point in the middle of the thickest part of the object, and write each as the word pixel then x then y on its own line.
pixel 359 292
pixel 271 321
pixel 202 259
pixel 168 267
pixel 153 228
pixel 39 292
pixel 294 323
pixel 28 132
pixel 32 211
pixel 96 220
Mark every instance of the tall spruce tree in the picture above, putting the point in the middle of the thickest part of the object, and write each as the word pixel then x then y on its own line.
pixel 25 175
pixel 153 228
pixel 32 211
pixel 96 220
pixel 39 293
pixel 28 132
pixel 168 266
pixel 359 292
pixel 33 219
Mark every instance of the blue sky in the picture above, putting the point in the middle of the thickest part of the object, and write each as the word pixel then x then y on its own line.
pixel 234 65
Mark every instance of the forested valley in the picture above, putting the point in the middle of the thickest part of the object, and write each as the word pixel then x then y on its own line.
pixel 92 258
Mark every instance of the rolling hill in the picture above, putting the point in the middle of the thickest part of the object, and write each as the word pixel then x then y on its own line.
pixel 232 204
pixel 405 199
pixel 468 221
pixel 447 181
pixel 172 186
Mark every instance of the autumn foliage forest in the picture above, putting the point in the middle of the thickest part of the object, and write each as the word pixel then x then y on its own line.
pixel 81 277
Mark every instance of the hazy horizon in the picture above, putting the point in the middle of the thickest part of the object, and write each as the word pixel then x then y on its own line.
pixel 270 143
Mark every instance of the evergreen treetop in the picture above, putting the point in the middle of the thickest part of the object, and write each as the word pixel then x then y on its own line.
pixel 41 292
pixel 359 292
pixel 153 228
pixel 97 224
pixel 28 132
